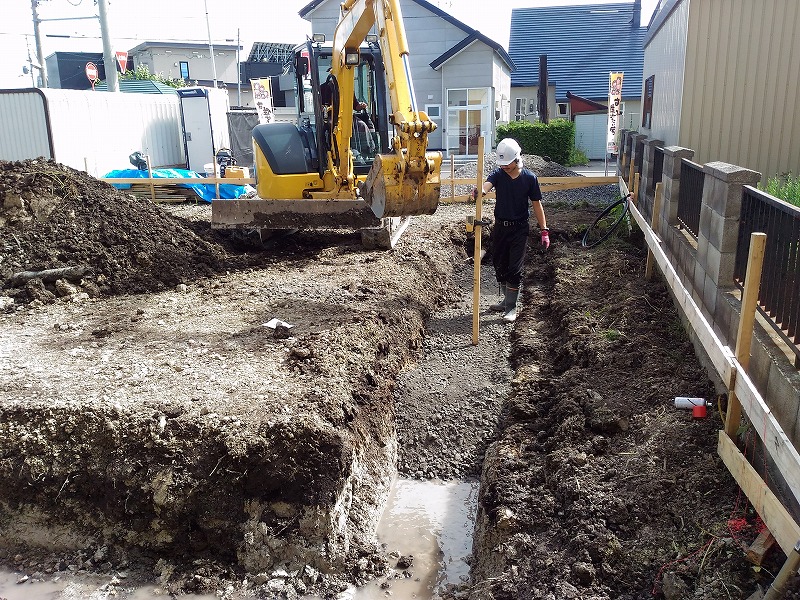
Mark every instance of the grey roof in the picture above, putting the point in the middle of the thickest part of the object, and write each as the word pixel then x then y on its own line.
pixel 471 34
pixel 138 86
pixel 583 44
pixel 181 45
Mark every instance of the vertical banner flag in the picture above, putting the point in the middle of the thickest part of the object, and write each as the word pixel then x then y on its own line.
pixel 614 112
pixel 262 95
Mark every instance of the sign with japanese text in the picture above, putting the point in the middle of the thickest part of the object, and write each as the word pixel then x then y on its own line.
pixel 262 96
pixel 91 72
pixel 614 112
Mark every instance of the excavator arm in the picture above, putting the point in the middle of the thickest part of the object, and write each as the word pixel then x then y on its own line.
pixel 406 182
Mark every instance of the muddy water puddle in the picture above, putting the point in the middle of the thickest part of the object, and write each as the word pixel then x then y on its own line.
pixel 431 521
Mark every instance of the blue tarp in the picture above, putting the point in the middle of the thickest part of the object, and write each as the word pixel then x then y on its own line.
pixel 206 191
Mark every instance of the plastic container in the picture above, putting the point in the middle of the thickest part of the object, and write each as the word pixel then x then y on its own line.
pixel 699 411
pixel 211 169
pixel 684 402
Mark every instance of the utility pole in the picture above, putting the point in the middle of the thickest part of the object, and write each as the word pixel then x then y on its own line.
pixel 38 36
pixel 211 45
pixel 109 58
pixel 238 68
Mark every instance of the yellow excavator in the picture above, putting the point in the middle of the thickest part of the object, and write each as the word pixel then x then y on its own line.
pixel 350 160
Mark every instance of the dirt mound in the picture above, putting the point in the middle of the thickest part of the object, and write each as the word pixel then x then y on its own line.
pixel 52 216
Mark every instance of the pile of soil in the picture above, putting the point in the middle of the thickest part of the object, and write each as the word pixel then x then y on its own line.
pixel 593 485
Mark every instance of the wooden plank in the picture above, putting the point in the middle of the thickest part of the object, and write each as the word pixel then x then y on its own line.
pixel 759 548
pixel 744 335
pixel 176 180
pixel 775 516
pixel 584 181
pixel 764 423
pixel 777 444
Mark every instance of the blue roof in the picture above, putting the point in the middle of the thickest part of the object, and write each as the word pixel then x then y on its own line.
pixel 583 44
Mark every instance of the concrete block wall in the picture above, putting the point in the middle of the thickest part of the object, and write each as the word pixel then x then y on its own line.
pixel 705 267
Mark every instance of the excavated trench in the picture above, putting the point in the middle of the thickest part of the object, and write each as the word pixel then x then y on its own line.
pixel 153 430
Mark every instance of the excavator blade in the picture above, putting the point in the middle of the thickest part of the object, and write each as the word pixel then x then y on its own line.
pixel 392 193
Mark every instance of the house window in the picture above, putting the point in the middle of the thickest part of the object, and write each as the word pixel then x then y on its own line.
pixel 563 109
pixel 468 118
pixel 184 69
pixel 434 111
pixel 647 104
pixel 521 109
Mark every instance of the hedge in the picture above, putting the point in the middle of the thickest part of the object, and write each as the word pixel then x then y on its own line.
pixel 554 140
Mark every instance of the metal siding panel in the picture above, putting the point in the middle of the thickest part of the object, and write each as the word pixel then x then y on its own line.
pixel 23 126
pixel 665 57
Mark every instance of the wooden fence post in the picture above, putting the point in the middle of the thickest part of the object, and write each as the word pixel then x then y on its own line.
pixel 648 270
pixel 744 335
pixel 150 177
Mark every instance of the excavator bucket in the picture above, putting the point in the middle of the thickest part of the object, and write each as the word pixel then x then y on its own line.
pixel 396 189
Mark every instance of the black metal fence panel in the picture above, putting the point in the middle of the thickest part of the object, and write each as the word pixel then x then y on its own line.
pixel 690 197
pixel 779 294
pixel 658 166
pixel 638 155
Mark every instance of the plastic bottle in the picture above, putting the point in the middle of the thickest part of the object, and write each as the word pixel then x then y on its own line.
pixel 684 402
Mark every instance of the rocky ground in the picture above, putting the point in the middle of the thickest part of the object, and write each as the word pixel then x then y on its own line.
pixel 593 485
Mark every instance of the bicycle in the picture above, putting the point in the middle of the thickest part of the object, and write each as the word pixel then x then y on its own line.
pixel 606 222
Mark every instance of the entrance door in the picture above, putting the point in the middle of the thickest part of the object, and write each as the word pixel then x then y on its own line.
pixel 467 119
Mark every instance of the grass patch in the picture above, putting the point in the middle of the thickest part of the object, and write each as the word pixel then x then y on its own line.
pixel 785 187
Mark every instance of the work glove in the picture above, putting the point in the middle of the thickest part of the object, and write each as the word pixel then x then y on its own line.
pixel 546 238
pixel 475 194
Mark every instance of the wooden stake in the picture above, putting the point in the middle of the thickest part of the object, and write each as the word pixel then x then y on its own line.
pixel 648 270
pixel 150 177
pixel 744 336
pixel 630 174
pixel 452 176
pixel 478 229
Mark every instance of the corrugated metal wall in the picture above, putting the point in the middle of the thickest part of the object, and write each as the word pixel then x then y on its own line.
pixel 95 131
pixel 742 83
pixel 24 130
pixel 664 57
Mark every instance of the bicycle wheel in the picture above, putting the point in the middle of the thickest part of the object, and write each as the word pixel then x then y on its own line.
pixel 605 223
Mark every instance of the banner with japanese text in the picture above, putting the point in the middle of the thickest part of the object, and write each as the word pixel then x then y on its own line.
pixel 262 96
pixel 614 112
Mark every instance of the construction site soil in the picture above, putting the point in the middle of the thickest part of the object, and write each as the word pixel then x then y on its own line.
pixel 153 428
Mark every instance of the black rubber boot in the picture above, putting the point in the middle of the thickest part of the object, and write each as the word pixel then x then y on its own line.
pixel 512 296
pixel 500 305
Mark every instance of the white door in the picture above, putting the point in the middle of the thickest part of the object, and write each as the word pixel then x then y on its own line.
pixel 196 117
pixel 590 134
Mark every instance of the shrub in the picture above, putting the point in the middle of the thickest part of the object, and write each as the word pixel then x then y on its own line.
pixel 554 140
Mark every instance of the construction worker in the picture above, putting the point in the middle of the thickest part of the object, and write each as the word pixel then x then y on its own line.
pixel 517 189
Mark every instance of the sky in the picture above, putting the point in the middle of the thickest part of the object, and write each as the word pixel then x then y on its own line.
pixel 64 27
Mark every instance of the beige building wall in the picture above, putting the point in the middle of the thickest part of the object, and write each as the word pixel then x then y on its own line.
pixel 735 95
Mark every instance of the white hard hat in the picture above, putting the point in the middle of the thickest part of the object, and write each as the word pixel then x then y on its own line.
pixel 508 151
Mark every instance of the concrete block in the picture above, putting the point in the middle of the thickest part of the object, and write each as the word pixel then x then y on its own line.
pixel 724 233
pixel 711 259
pixel 784 400
pixel 710 296
pixel 760 363
pixel 729 173
pixel 705 221
pixel 698 277
pixel 702 250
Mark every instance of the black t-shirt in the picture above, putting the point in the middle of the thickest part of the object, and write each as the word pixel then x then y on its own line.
pixel 513 194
